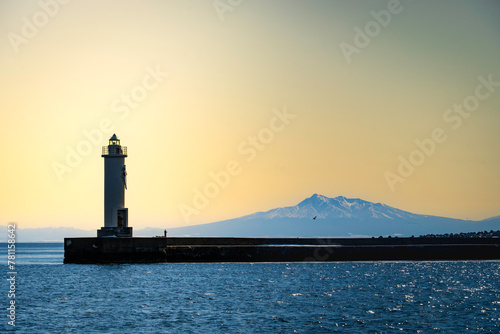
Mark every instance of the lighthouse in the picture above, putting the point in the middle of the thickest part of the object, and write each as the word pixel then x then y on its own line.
pixel 115 184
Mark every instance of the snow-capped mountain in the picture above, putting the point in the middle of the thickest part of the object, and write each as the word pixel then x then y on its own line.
pixel 321 216
pixel 324 207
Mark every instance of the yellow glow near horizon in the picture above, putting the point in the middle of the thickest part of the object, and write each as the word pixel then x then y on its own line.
pixel 188 93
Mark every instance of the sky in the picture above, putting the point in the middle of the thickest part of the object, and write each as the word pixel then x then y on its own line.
pixel 232 107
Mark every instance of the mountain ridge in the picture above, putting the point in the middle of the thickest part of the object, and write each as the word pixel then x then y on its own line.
pixel 324 207
pixel 321 216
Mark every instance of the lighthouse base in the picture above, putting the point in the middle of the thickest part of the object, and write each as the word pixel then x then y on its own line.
pixel 120 232
pixel 114 250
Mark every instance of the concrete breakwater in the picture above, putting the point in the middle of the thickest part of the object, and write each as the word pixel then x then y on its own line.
pixel 200 249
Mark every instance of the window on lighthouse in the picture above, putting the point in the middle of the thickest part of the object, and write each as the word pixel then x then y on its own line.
pixel 114 142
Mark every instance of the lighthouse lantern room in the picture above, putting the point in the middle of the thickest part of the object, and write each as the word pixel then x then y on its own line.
pixel 115 184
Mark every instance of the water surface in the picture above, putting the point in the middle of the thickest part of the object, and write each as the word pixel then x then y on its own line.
pixel 367 297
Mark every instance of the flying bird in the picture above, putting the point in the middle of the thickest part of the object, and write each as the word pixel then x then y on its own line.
pixel 314 217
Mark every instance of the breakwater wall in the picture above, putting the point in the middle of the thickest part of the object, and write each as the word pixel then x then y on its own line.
pixel 201 249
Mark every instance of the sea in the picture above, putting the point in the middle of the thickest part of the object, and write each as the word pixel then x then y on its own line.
pixel 334 297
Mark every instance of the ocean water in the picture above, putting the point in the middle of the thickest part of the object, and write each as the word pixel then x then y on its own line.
pixel 355 297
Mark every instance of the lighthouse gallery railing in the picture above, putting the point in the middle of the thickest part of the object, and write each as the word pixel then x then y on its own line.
pixel 119 150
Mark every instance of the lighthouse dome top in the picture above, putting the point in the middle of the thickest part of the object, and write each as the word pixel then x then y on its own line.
pixel 114 140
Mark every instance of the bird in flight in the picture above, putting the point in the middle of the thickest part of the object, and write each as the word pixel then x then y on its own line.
pixel 314 217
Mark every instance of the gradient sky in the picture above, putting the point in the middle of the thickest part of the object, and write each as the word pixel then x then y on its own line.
pixel 228 73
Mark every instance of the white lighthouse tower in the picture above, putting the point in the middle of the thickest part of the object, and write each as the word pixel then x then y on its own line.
pixel 115 184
